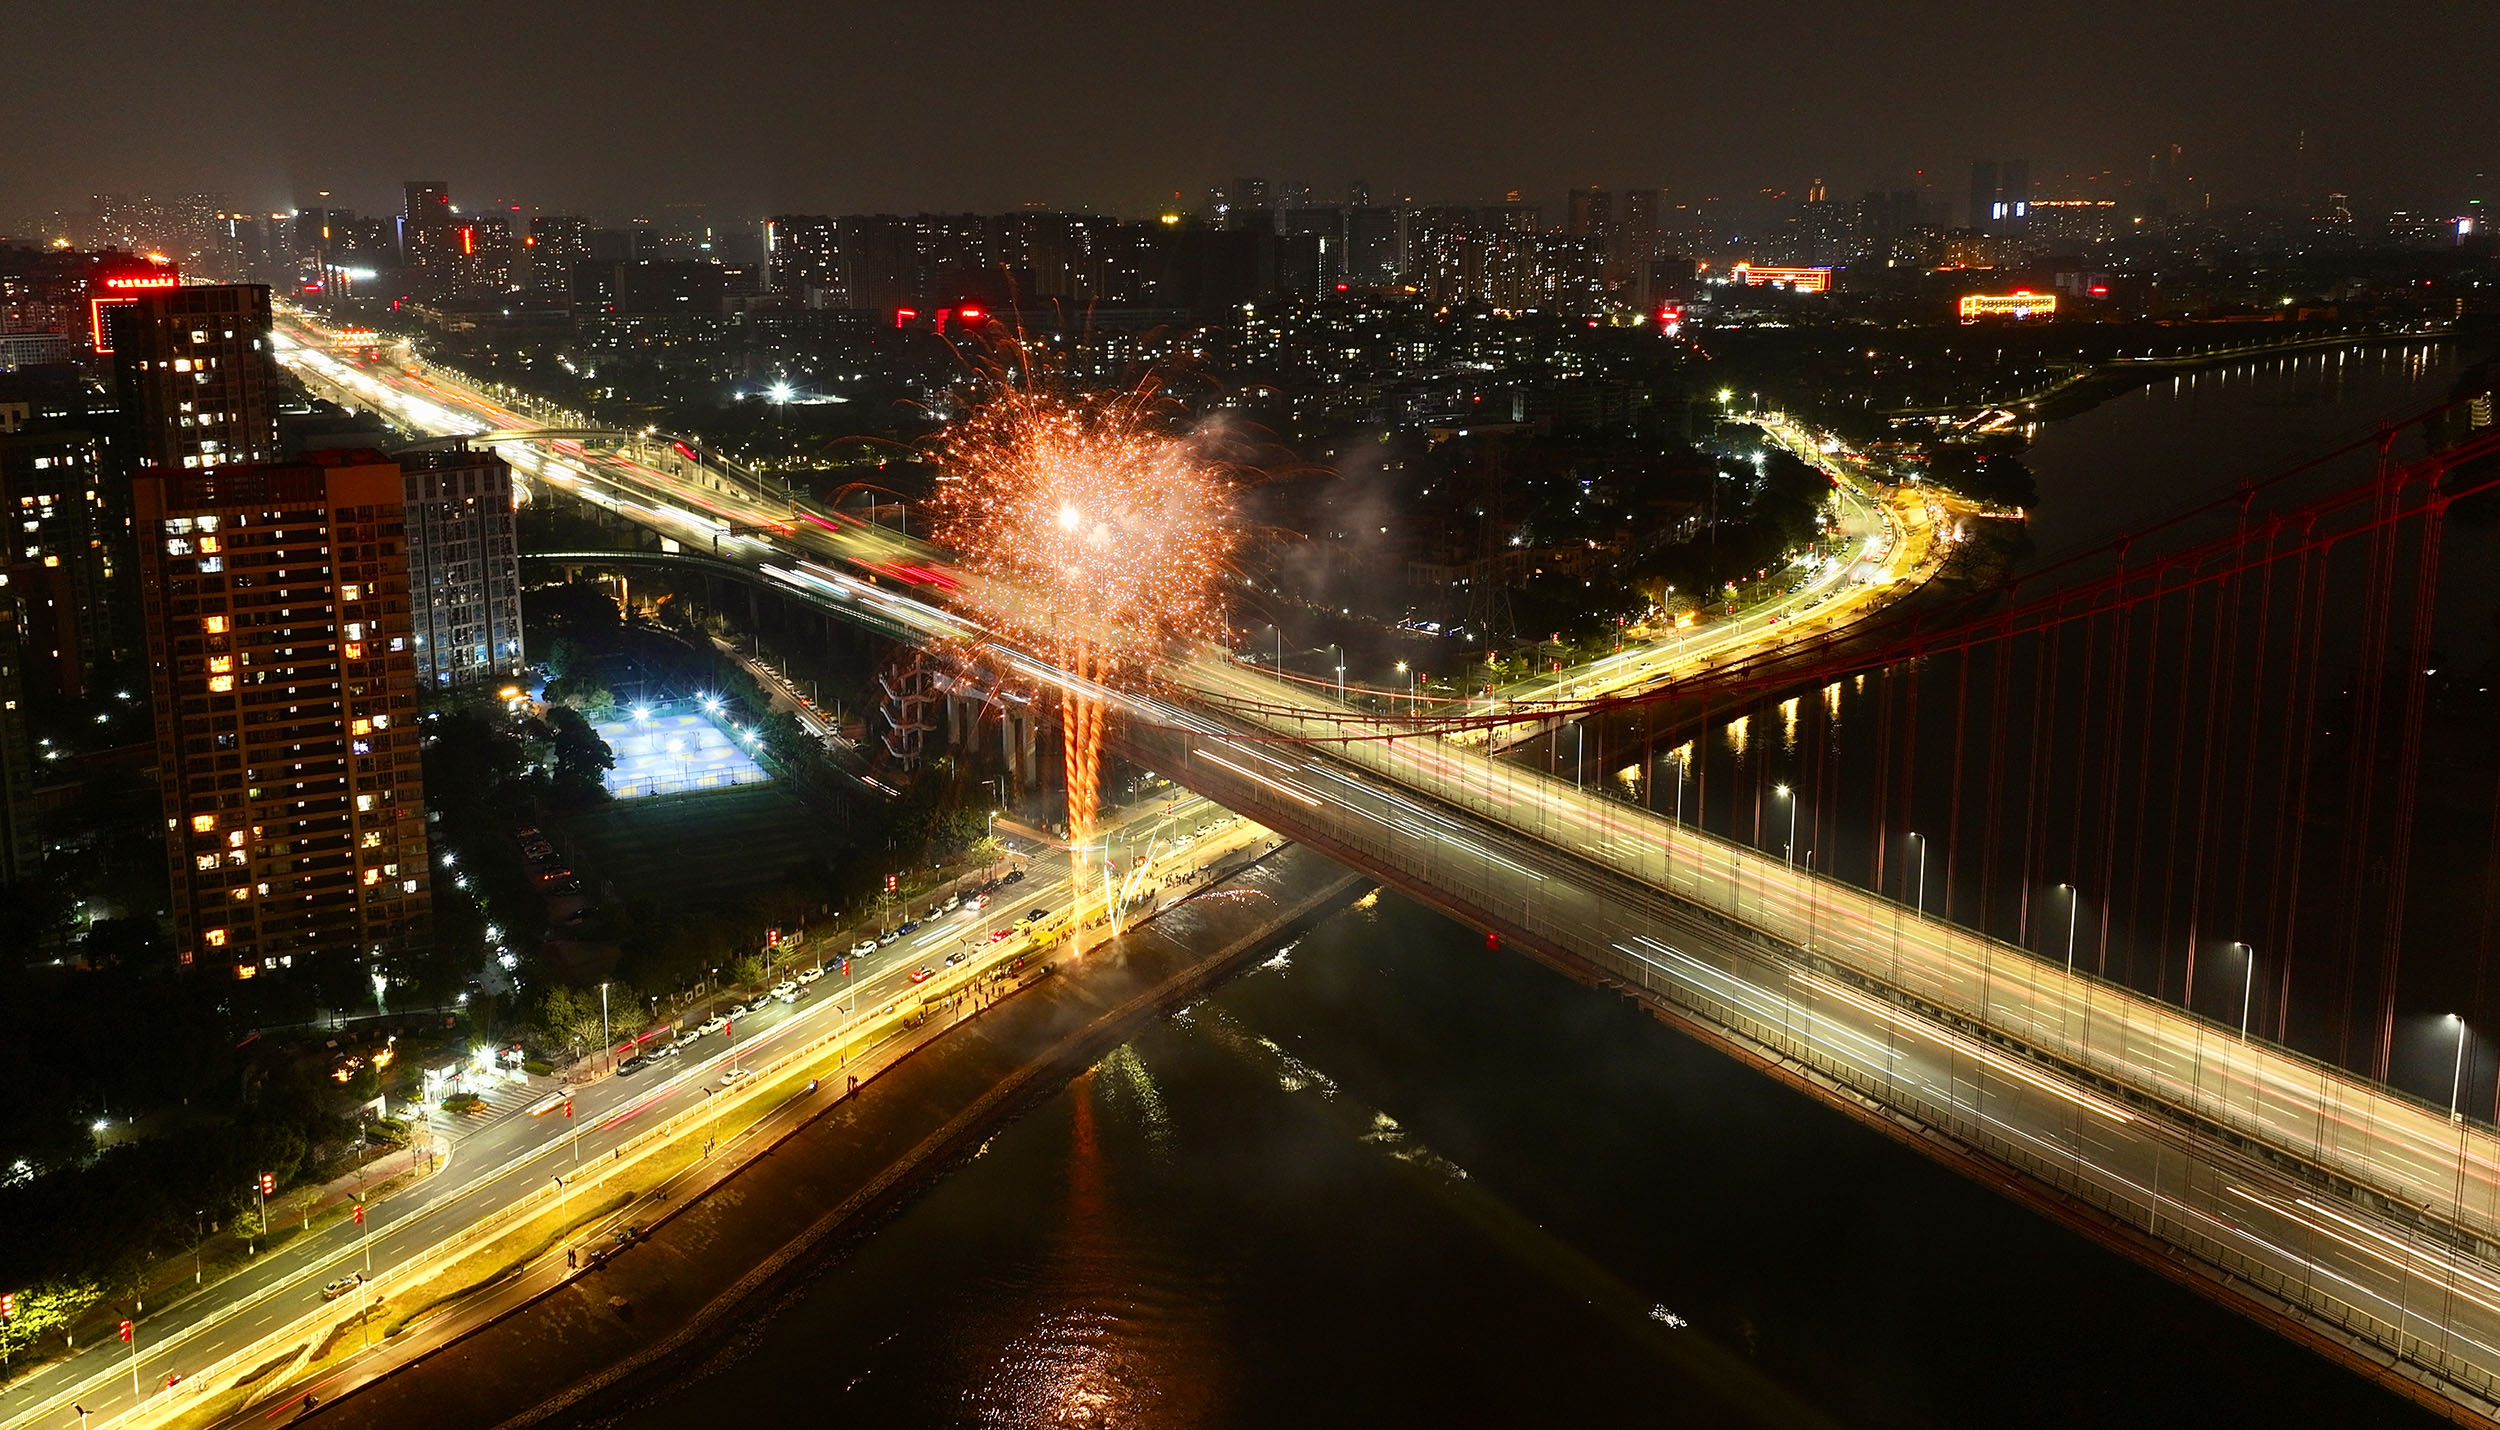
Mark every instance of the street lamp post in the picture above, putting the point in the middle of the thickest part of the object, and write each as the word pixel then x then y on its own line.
pixel 2248 986
pixel 2074 902
pixel 1790 795
pixel 606 1038
pixel 2456 1079
pixel 1921 898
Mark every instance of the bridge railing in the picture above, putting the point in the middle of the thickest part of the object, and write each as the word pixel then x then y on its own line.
pixel 2368 1133
pixel 2143 1175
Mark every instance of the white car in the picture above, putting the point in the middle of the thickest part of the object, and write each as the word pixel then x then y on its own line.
pixel 735 1075
pixel 785 989
pixel 716 1022
pixel 863 948
pixel 810 975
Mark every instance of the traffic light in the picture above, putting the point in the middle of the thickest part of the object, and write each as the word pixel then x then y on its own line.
pixel 268 1183
pixel 846 968
pixel 772 938
pixel 568 1109
pixel 125 1331
pixel 8 1305
pixel 360 1213
pixel 889 883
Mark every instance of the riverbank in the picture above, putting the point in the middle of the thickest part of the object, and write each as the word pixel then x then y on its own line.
pixel 583 1345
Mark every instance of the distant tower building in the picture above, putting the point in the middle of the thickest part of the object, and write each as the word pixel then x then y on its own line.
pixel 64 562
pixel 1637 238
pixel 1250 207
pixel 425 225
pixel 284 673
pixel 1372 256
pixel 199 384
pixel 1590 214
pixel 464 576
pixel 2000 195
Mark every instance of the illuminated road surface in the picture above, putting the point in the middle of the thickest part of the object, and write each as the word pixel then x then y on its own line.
pixel 496 1162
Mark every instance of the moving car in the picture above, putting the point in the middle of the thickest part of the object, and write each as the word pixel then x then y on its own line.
pixel 342 1286
pixel 735 1074
pixel 954 958
pixel 789 996
pixel 1037 916
pixel 1001 935
pixel 923 975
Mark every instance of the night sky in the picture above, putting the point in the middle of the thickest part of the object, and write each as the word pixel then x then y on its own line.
pixel 751 106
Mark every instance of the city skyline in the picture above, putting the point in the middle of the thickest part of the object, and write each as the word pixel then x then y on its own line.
pixel 864 112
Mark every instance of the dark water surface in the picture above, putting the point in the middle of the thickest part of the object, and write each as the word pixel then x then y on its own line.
pixel 1393 1178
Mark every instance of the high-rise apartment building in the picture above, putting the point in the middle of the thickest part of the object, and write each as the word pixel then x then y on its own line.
pixel 21 842
pixel 1373 253
pixel 199 383
pixel 464 576
pixel 1590 213
pixel 425 225
pixel 283 665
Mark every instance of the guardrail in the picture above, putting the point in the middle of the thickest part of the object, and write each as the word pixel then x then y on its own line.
pixel 1738 978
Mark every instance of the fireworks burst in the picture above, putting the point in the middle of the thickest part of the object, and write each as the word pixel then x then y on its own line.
pixel 1097 538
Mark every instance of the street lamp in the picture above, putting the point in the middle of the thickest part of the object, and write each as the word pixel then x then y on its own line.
pixel 2456 1079
pixel 1921 901
pixel 2248 984
pixel 2074 901
pixel 1790 795
pixel 606 1039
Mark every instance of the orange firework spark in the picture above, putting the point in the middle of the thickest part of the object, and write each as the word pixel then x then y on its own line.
pixel 1098 537
pixel 1100 532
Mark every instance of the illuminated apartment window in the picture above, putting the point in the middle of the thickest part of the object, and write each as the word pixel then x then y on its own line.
pixel 203 823
pixel 220 664
pixel 214 625
pixel 214 938
pixel 220 684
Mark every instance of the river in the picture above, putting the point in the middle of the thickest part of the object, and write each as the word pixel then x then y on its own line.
pixel 1389 1176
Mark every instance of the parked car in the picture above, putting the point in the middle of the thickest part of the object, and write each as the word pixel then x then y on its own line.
pixel 1013 876
pixel 810 975
pixel 785 988
pixel 715 1023
pixel 632 1065
pixel 762 1002
pixel 908 926
pixel 888 937
pixel 951 903
pixel 687 1039
pixel 863 948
